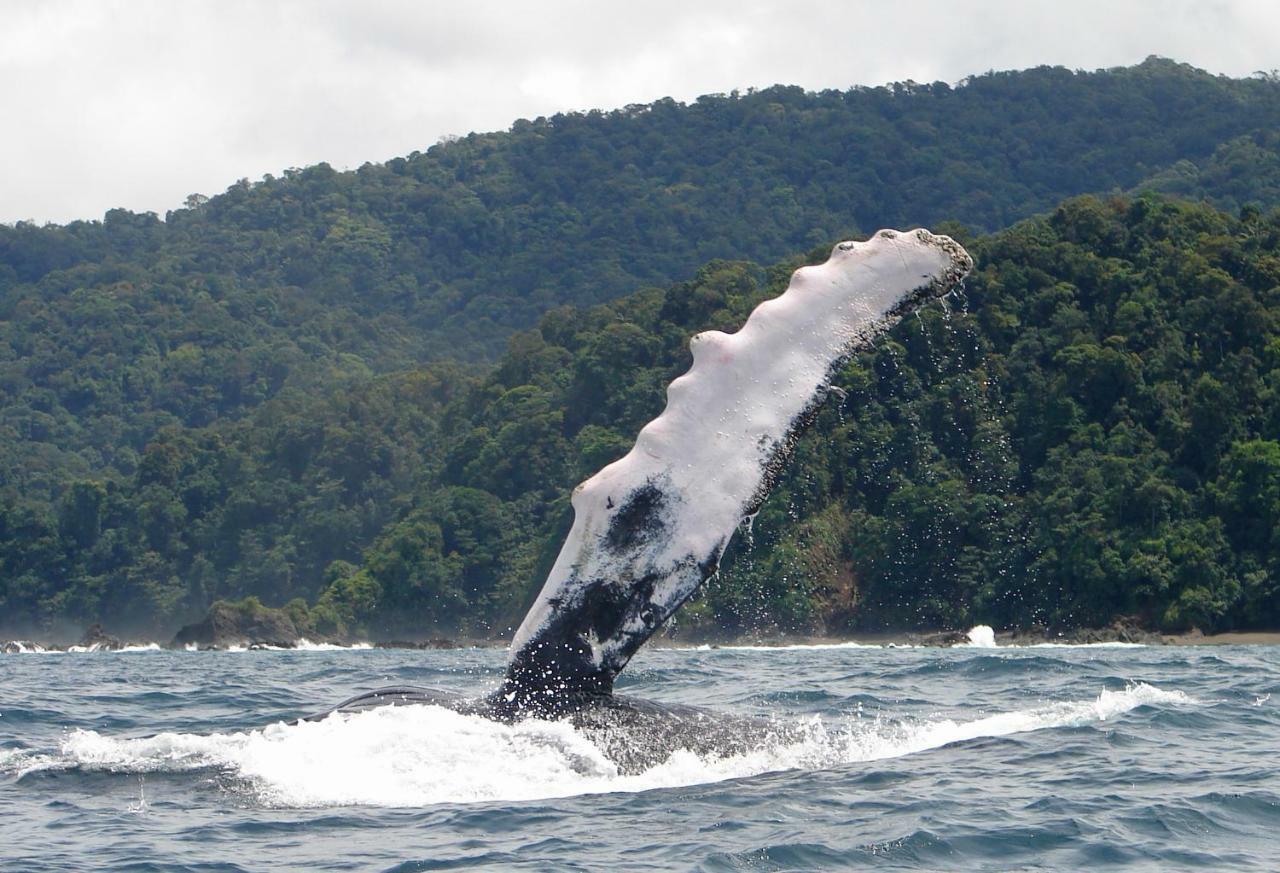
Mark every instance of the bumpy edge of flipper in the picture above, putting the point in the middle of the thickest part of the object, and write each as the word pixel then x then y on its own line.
pixel 650 528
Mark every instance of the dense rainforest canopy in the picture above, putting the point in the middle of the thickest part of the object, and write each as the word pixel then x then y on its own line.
pixel 256 396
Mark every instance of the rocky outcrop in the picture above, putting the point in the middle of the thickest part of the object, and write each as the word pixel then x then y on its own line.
pixel 17 647
pixel 938 638
pixel 435 643
pixel 247 624
pixel 96 639
pixel 1122 630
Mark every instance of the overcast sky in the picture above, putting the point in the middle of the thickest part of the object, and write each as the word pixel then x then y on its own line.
pixel 138 103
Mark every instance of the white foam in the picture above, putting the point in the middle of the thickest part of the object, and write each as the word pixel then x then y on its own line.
pixel 19 762
pixel 412 756
pixel 302 644
pixel 787 647
pixel 981 637
pixel 305 645
pixel 26 647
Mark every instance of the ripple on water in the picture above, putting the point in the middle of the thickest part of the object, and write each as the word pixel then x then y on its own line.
pixel 912 759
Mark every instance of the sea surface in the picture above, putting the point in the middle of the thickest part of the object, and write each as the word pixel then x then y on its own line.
pixel 978 758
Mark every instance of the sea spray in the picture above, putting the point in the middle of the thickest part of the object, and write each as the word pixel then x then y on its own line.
pixel 416 755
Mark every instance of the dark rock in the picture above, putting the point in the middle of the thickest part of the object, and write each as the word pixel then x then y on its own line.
pixel 436 643
pixel 938 638
pixel 239 624
pixel 1122 630
pixel 1029 636
pixel 98 640
pixel 17 647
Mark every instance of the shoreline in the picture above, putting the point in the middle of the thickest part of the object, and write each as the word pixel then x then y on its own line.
pixel 880 639
pixel 902 639
pixel 1226 638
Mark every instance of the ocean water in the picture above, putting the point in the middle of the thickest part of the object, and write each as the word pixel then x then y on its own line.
pixel 977 758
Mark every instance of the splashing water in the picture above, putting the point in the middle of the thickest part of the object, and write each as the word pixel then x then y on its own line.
pixel 981 637
pixel 416 755
pixel 906 758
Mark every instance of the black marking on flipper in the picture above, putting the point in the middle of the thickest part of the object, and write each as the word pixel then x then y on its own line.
pixel 641 519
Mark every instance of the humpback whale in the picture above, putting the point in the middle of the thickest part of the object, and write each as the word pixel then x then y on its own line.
pixel 650 528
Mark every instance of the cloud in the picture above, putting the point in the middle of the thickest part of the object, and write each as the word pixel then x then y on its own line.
pixel 137 103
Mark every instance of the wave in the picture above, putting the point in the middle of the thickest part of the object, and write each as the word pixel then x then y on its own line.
pixel 984 637
pixel 785 647
pixel 411 756
pixel 302 644
pixel 978 637
pixel 25 647
pixel 305 645
pixel 981 637
pixel 22 647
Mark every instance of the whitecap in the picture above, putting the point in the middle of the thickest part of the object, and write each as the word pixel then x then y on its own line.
pixel 981 637
pixel 305 645
pixel 791 647
pixel 23 647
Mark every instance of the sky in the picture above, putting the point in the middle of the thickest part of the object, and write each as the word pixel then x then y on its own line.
pixel 139 103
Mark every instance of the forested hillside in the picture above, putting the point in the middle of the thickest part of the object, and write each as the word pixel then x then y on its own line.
pixel 112 331
pixel 254 395
pixel 1087 431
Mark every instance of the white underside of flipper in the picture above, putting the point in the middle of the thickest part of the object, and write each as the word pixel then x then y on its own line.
pixel 649 528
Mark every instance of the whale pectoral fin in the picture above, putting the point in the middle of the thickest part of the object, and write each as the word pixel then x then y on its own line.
pixel 650 528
